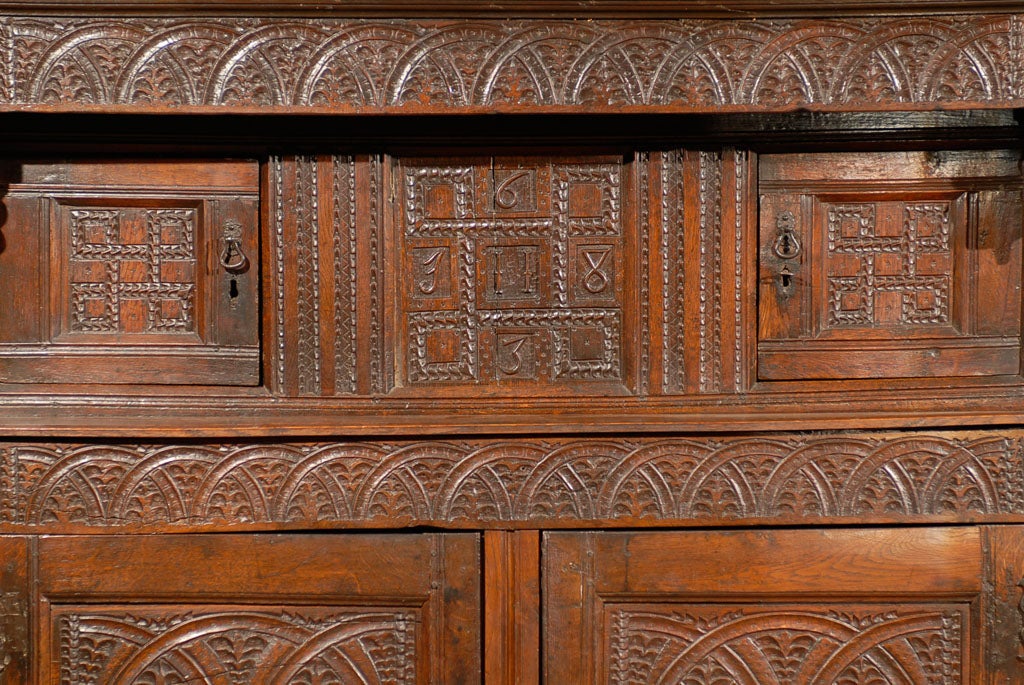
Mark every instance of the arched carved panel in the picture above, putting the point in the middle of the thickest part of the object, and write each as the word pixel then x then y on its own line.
pixel 810 477
pixel 235 644
pixel 841 644
pixel 363 65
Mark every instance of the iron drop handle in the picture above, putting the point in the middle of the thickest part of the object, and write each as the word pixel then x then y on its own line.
pixel 232 257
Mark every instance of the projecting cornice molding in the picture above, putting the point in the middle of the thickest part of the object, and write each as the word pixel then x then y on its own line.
pixel 463 66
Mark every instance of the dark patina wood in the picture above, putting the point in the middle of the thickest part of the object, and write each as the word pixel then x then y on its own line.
pixel 566 342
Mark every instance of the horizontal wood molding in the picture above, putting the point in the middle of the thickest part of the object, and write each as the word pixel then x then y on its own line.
pixel 619 481
pixel 413 66
pixel 521 8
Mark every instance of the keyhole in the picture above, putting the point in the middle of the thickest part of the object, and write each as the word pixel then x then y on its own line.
pixel 787 279
pixel 233 289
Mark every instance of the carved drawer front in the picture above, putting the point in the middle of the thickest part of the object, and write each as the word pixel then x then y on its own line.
pixel 808 607
pixel 130 272
pixel 377 609
pixel 514 275
pixel 899 264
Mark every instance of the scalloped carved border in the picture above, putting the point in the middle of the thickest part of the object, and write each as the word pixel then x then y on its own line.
pixel 797 478
pixel 522 65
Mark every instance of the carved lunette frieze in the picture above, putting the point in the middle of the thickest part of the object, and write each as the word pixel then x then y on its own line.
pixel 363 65
pixel 296 645
pixel 841 644
pixel 817 477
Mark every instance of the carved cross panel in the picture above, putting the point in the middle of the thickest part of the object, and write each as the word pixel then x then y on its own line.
pixel 516 273
pixel 130 270
pixel 890 264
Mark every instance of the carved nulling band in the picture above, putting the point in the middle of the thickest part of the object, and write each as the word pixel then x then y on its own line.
pixel 874 477
pixel 432 65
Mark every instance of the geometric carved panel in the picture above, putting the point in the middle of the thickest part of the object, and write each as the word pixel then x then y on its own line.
pixel 835 643
pixel 888 263
pixel 143 644
pixel 131 270
pixel 516 272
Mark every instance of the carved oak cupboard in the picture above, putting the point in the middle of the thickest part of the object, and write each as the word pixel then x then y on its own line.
pixel 596 342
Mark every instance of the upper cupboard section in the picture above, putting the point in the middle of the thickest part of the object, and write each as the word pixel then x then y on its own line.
pixel 530 287
pixel 682 273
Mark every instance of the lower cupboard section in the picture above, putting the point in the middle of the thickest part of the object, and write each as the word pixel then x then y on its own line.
pixel 268 609
pixel 929 605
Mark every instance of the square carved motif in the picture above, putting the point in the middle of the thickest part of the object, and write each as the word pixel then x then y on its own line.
pixel 129 270
pixel 515 272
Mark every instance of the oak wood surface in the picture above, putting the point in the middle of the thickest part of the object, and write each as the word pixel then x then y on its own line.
pixel 655 607
pixel 516 279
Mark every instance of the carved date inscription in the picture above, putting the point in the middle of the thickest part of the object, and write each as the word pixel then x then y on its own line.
pixel 131 270
pixel 228 645
pixel 516 271
pixel 844 644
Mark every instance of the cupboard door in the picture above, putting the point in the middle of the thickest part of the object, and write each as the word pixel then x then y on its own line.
pixel 259 609
pixel 140 272
pixel 889 265
pixel 780 607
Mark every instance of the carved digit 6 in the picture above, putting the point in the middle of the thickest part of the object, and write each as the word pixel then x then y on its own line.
pixel 505 195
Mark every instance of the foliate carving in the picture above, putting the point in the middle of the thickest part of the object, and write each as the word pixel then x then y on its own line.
pixel 889 263
pixel 845 644
pixel 130 270
pixel 517 272
pixel 430 65
pixel 800 478
pixel 298 644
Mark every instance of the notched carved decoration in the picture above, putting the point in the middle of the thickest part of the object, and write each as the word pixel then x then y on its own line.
pixel 430 65
pixel 142 644
pixel 517 272
pixel 843 644
pixel 883 477
pixel 889 263
pixel 130 270
pixel 325 339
